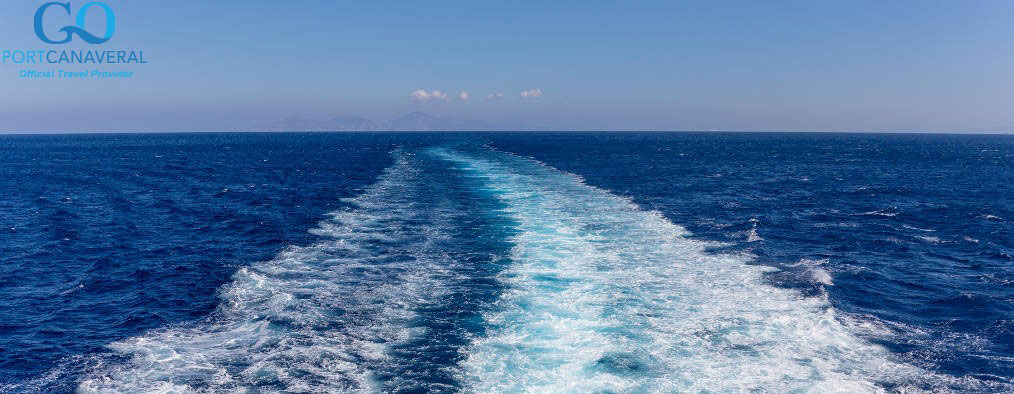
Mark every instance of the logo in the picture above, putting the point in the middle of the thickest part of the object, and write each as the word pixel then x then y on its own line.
pixel 79 26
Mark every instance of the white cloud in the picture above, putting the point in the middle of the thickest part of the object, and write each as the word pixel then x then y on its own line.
pixel 531 93
pixel 494 97
pixel 464 96
pixel 422 95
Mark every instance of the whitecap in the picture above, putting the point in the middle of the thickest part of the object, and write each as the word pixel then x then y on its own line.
pixel 321 318
pixel 882 212
pixel 821 275
pixel 752 236
pixel 927 230
pixel 606 297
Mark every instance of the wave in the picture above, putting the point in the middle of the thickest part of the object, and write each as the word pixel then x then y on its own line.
pixel 594 295
pixel 606 297
pixel 883 212
pixel 319 318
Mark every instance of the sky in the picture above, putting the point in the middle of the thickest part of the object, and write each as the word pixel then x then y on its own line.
pixel 223 65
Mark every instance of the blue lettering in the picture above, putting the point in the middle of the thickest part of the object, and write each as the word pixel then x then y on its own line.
pixel 110 21
pixel 38 23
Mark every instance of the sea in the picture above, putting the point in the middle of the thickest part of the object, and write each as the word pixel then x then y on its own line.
pixel 507 262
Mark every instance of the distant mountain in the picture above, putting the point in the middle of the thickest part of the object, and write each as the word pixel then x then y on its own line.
pixel 351 123
pixel 416 121
pixel 340 124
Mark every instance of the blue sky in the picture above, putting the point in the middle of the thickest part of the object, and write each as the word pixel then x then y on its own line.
pixel 617 65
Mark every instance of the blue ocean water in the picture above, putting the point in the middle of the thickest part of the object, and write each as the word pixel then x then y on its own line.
pixel 571 262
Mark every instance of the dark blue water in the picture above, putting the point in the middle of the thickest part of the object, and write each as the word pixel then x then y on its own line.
pixel 915 230
pixel 411 262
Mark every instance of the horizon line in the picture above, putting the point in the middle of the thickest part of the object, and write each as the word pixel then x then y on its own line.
pixel 950 132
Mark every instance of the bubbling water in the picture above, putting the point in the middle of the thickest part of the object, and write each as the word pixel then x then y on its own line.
pixel 606 297
pixel 316 318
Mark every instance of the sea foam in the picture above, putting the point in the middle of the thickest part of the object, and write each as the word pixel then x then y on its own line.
pixel 598 296
pixel 321 318
pixel 606 297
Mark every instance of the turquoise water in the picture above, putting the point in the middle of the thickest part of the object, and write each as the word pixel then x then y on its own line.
pixel 507 262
